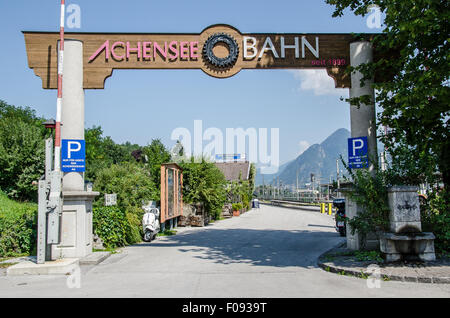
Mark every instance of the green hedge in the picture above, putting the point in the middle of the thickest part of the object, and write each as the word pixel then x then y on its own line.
pixel 435 217
pixel 18 224
pixel 110 224
pixel 116 226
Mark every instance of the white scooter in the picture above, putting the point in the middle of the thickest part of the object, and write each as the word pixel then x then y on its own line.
pixel 150 222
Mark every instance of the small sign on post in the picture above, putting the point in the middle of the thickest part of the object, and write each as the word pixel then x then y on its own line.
pixel 73 155
pixel 110 199
pixel 357 153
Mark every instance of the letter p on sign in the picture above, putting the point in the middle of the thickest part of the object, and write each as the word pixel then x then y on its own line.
pixel 73 146
pixel 357 144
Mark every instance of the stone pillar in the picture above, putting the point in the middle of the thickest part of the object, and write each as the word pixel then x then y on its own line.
pixel 362 123
pixel 72 115
pixel 76 221
pixel 404 207
pixel 351 210
pixel 362 119
pixel 356 242
pixel 405 239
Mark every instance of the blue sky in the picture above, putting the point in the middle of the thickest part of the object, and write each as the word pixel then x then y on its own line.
pixel 137 106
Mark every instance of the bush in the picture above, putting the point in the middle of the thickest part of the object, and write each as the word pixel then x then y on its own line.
pixel 130 181
pixel 102 152
pixel 204 182
pixel 133 185
pixel 21 151
pixel 18 224
pixel 435 217
pixel 236 206
pixel 370 192
pixel 111 225
pixel 134 218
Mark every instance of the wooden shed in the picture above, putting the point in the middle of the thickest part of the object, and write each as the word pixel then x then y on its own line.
pixel 171 191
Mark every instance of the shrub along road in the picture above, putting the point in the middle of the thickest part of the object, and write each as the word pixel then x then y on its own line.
pixel 270 252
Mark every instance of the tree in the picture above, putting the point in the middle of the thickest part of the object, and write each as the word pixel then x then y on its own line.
pixel 251 178
pixel 130 181
pixel 156 154
pixel 415 103
pixel 21 151
pixel 95 158
pixel 102 152
pixel 133 186
pixel 204 182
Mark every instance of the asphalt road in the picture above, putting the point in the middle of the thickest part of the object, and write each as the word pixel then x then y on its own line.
pixel 270 252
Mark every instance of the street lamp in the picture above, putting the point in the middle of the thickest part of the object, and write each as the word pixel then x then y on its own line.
pixel 50 124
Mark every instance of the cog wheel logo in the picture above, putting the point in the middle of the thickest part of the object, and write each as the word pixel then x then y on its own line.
pixel 233 49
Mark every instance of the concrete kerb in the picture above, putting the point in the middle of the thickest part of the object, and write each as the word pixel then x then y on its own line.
pixel 28 266
pixel 57 267
pixel 95 258
pixel 361 270
pixel 312 208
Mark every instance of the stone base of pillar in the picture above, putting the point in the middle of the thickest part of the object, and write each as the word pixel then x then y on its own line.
pixel 356 241
pixel 76 226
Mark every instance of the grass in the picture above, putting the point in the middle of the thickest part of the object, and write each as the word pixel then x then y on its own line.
pixel 363 275
pixel 368 256
pixel 360 256
pixel 442 254
pixel 167 233
pixel 10 207
pixel 6 265
pixel 219 219
pixel 17 227
pixel 107 249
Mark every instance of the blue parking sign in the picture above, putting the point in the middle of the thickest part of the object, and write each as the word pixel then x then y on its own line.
pixel 357 153
pixel 73 155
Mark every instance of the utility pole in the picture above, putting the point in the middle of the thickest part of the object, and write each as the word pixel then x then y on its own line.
pixel 337 173
pixel 382 161
pixel 278 187
pixel 50 198
pixel 264 192
pixel 329 184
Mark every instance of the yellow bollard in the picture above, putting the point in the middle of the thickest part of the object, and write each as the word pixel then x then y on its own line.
pixel 322 208
pixel 330 208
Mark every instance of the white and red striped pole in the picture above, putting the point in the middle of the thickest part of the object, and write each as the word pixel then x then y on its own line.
pixel 59 99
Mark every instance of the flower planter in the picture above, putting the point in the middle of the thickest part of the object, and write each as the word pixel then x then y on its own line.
pixel 236 213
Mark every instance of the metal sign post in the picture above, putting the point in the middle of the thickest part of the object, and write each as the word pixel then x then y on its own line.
pixel 42 222
pixel 54 208
pixel 49 206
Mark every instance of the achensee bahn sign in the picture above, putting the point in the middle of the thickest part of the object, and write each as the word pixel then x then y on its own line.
pixel 220 51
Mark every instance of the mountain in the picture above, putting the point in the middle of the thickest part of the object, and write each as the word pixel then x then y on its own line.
pixel 268 178
pixel 319 159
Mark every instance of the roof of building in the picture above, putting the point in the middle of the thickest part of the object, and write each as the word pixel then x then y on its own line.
pixel 231 170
